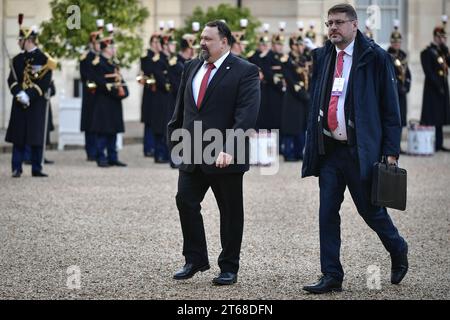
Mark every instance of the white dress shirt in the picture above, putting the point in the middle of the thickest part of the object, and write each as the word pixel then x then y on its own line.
pixel 341 131
pixel 197 80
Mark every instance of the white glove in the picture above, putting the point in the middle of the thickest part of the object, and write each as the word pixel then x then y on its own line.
pixel 309 44
pixel 23 98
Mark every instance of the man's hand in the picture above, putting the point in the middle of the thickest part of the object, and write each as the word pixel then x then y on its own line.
pixel 223 160
pixel 392 160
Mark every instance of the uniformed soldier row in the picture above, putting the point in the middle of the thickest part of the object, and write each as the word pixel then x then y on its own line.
pixel 284 88
pixel 161 69
pixel 284 80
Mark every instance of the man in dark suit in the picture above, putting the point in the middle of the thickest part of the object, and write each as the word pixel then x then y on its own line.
pixel 354 121
pixel 222 92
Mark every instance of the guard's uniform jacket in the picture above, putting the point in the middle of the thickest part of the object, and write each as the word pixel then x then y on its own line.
pixel 87 63
pixel 156 92
pixel 296 99
pixel 271 110
pixel 255 57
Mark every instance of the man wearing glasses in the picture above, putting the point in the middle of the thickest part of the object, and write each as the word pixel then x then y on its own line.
pixel 354 122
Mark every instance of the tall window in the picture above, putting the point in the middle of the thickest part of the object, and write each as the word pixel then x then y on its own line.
pixel 389 10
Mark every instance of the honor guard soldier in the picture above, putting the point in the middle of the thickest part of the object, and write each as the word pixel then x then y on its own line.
pixel 301 28
pixel 444 20
pixel 296 100
pixel 311 33
pixel 88 61
pixel 402 71
pixel 175 70
pixel 186 48
pixel 275 85
pixel 154 78
pixel 107 117
pixel 238 40
pixel 236 45
pixel 256 57
pixel 196 33
pixel 436 105
pixel 29 82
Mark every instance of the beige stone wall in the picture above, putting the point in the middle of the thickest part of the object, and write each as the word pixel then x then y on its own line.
pixel 422 17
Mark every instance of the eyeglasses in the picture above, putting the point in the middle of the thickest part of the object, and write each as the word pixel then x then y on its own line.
pixel 338 23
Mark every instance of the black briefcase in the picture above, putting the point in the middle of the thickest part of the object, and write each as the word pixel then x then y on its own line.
pixel 389 186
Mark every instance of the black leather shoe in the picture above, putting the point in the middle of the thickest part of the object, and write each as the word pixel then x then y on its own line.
pixel 39 174
pixel 326 284
pixel 117 163
pixel 225 278
pixel 91 159
pixel 149 154
pixel 444 149
pixel 189 270
pixel 103 164
pixel 48 161
pixel 16 174
pixel 399 267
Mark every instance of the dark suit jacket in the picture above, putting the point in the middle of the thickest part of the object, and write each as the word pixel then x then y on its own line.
pixel 231 101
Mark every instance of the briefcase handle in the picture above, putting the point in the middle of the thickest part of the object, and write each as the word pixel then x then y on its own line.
pixel 388 165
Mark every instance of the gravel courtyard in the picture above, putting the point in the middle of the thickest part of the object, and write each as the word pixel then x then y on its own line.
pixel 120 227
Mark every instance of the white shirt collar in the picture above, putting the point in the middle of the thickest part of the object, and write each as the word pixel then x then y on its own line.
pixel 34 49
pixel 219 61
pixel 348 50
